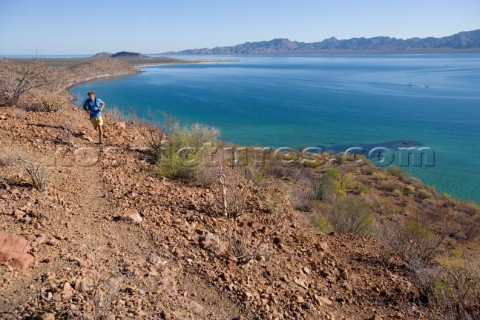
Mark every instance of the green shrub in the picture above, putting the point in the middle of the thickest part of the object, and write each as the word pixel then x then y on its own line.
pixel 388 186
pixel 329 186
pixel 188 154
pixel 453 287
pixel 397 172
pixel 324 226
pixel 417 230
pixel 456 253
pixel 351 215
pixel 362 188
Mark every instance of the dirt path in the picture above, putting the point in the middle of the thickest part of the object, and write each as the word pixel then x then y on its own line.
pixel 86 244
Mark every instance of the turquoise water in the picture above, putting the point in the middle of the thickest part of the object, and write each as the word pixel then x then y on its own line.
pixel 325 99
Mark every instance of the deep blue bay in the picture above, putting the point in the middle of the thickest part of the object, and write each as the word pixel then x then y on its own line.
pixel 324 100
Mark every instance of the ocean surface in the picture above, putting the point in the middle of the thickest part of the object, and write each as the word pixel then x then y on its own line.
pixel 323 100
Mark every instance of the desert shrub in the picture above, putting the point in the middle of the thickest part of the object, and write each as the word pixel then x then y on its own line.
pixel 456 253
pixel 351 215
pixel 47 102
pixel 188 154
pixel 324 225
pixel 397 172
pixel 68 130
pixel 387 186
pixel 38 172
pixel 245 248
pixel 340 158
pixel 368 171
pixel 453 287
pixel 52 102
pixel 303 199
pixel 469 207
pixel 123 116
pixel 251 170
pixel 468 225
pixel 231 196
pixel 422 195
pixel 362 188
pixel 329 185
pixel 413 241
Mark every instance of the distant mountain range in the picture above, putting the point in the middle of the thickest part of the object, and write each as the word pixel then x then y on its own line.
pixel 467 41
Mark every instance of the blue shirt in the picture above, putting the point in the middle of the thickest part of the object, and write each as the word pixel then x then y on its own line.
pixel 93 106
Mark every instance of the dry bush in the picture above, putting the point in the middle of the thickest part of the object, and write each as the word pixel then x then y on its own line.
pixel 245 248
pixel 38 172
pixel 453 287
pixel 36 166
pixel 351 215
pixel 303 196
pixel 19 113
pixel 155 136
pixel 413 241
pixel 68 130
pixel 19 78
pixel 295 171
pixel 230 195
pixel 8 156
pixel 47 102
pixel 128 116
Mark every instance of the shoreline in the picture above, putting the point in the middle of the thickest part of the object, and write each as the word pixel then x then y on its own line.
pixel 137 66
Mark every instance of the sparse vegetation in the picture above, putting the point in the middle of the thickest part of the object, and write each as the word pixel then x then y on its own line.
pixel 189 154
pixel 155 136
pixel 38 172
pixel 397 172
pixel 453 286
pixel 324 225
pixel 388 186
pixel 19 79
pixel 351 215
pixel 413 240
pixel 330 185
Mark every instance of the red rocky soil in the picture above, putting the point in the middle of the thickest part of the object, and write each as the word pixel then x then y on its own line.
pixel 112 239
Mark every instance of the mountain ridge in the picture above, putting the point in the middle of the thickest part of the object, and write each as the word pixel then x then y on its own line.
pixel 465 41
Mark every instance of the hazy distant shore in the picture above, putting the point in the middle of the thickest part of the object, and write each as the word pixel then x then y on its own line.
pixel 136 62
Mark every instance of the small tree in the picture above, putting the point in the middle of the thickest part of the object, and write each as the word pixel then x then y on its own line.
pixel 18 79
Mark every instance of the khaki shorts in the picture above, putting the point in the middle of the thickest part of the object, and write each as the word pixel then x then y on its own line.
pixel 96 122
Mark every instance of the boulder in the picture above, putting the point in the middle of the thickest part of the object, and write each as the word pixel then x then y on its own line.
pixel 14 251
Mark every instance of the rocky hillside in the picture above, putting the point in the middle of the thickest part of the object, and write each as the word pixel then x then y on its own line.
pixel 113 232
pixel 468 41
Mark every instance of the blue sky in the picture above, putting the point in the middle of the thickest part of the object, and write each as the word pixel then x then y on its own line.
pixel 148 26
